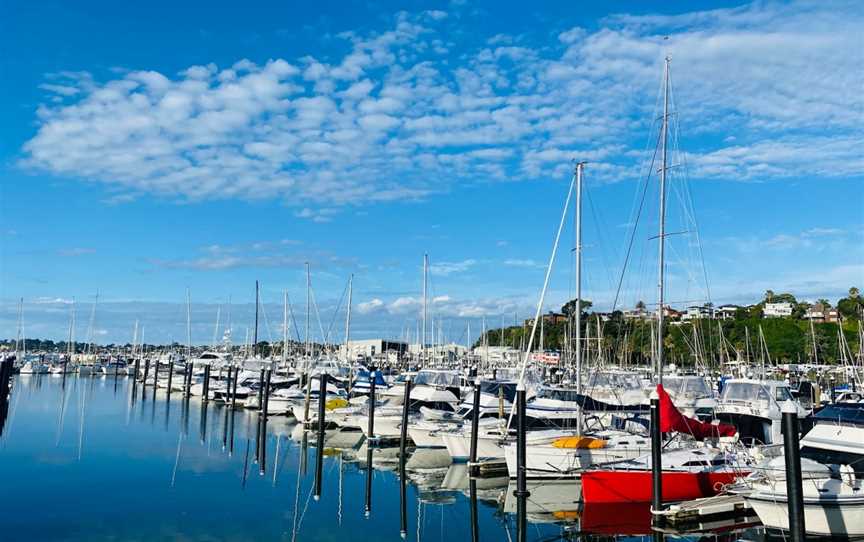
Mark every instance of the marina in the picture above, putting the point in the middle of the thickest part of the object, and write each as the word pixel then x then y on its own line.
pixel 442 271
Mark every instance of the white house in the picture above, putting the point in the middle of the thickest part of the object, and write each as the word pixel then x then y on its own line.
pixel 727 312
pixel 698 311
pixel 777 310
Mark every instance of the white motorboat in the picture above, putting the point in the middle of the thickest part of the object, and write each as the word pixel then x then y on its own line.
pixel 832 467
pixel 753 407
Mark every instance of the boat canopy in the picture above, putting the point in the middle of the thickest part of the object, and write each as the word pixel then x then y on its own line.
pixel 628 381
pixel 686 385
pixel 445 379
pixel 750 390
pixel 362 375
pixel 492 386
pixel 842 413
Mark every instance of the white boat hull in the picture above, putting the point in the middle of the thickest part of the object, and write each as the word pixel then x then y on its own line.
pixel 828 520
pixel 459 446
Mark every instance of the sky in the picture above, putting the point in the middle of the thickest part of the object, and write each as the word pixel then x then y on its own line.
pixel 150 149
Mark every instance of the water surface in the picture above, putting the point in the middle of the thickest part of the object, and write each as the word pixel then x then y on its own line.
pixel 100 459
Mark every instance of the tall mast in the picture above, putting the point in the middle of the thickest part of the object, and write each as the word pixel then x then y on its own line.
pixel 662 235
pixel 214 342
pixel 308 306
pixel 91 347
pixel 69 348
pixel 469 335
pixel 255 333
pixel 348 315
pixel 20 337
pixel 285 327
pixel 578 324
pixel 813 338
pixel 425 271
pixel 134 339
pixel 189 324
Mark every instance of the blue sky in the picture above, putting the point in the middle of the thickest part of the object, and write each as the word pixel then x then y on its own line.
pixel 147 148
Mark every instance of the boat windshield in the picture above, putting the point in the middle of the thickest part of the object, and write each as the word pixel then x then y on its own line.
pixel 557 394
pixel 686 385
pixel 444 379
pixel 848 413
pixel 614 380
pixel 754 391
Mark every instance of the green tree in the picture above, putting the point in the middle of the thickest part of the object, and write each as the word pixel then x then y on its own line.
pixel 784 298
pixel 755 312
pixel 569 308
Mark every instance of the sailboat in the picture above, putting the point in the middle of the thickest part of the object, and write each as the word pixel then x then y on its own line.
pixel 693 469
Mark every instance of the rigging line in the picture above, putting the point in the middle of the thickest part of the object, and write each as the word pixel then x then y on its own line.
pixel 595 215
pixel 336 311
pixel 688 201
pixel 635 226
pixel 317 314
pixel 293 320
pixel 681 260
pixel 266 322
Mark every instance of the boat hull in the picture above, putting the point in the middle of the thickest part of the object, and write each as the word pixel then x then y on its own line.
pixel 622 486
pixel 459 446
pixel 829 519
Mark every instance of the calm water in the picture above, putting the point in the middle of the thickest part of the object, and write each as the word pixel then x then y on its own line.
pixel 85 459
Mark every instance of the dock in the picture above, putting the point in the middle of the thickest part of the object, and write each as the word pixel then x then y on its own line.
pixel 710 513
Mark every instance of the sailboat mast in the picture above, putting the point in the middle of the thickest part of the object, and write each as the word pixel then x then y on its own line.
pixel 813 338
pixel 189 324
pixel 348 315
pixel 284 327
pixel 425 308
pixel 578 272
pixel 72 329
pixel 662 234
pixel 308 306
pixel 255 333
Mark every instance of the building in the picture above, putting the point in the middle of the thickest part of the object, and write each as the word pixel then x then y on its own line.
pixel 497 354
pixel 821 313
pixel 370 348
pixel 726 312
pixel 639 313
pixel 777 310
pixel 696 312
pixel 548 318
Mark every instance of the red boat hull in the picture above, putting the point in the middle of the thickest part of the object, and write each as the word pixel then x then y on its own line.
pixel 610 486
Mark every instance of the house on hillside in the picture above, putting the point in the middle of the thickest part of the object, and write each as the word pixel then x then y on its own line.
pixel 819 312
pixel 726 312
pixel 777 310
pixel 550 318
pixel 696 312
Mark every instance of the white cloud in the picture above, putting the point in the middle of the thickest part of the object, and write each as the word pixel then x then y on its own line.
pixel 370 306
pixel 447 268
pixel 522 263
pixel 396 117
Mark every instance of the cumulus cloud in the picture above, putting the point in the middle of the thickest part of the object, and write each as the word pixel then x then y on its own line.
pixel 281 253
pixel 448 268
pixel 370 306
pixel 397 117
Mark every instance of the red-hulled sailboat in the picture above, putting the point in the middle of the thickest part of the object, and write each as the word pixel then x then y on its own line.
pixel 688 473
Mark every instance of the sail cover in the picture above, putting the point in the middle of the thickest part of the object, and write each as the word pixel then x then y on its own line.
pixel 671 419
